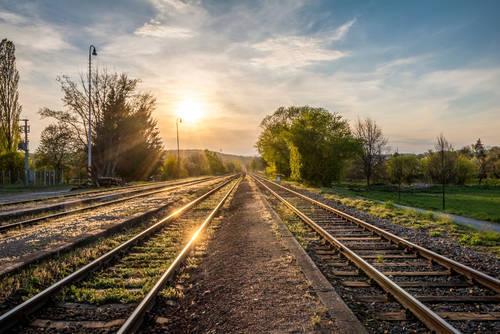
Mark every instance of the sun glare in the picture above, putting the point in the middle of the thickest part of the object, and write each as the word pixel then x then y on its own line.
pixel 189 111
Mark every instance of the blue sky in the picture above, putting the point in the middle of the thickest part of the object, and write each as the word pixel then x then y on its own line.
pixel 419 68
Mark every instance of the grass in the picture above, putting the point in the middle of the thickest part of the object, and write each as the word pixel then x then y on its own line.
pixel 474 201
pixel 437 226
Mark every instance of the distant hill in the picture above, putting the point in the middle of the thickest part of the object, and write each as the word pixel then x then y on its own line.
pixel 244 160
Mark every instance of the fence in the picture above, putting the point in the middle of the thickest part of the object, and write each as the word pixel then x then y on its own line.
pixel 36 177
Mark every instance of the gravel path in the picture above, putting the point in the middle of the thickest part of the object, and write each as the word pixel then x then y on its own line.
pixel 16 245
pixel 248 282
pixel 26 196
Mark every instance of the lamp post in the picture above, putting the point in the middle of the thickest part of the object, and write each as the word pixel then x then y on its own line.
pixel 179 120
pixel 92 52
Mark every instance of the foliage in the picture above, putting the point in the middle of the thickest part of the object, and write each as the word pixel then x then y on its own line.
pixel 403 168
pixel 10 109
pixel 56 147
pixel 123 130
pixel 465 170
pixel 13 162
pixel 309 144
pixel 374 144
pixel 195 164
pixel 215 164
pixel 257 164
pixel 480 154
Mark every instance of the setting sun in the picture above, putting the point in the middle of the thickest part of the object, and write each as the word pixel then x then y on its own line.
pixel 189 111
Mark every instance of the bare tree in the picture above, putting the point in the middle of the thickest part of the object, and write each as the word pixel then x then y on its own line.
pixel 374 144
pixel 10 109
pixel 445 151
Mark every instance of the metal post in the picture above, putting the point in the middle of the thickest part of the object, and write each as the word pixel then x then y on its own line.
pixel 179 120
pixel 92 52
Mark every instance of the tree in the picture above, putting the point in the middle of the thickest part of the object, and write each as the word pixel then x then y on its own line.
pixel 374 144
pixel 215 163
pixel 10 109
pixel 465 170
pixel 257 164
pixel 480 155
pixel 56 147
pixel 447 161
pixel 402 168
pixel 309 144
pixel 123 130
pixel 272 144
pixel 320 144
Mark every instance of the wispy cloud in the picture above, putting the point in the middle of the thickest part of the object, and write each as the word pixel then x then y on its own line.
pixel 155 29
pixel 293 52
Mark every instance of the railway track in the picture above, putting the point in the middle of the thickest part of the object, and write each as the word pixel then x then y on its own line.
pixel 391 284
pixel 94 192
pixel 7 222
pixel 131 274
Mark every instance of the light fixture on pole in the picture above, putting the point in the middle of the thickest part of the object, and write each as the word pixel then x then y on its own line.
pixel 179 120
pixel 92 52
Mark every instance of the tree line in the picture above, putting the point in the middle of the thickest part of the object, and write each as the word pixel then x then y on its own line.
pixel 319 147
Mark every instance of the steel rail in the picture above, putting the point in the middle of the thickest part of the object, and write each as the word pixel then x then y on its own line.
pixel 91 192
pixel 423 313
pixel 10 318
pixel 472 274
pixel 135 319
pixel 164 188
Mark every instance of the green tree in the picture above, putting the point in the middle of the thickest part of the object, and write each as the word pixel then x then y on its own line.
pixel 465 170
pixel 309 144
pixel 56 147
pixel 403 169
pixel 10 109
pixel 257 164
pixel 12 163
pixel 272 144
pixel 215 163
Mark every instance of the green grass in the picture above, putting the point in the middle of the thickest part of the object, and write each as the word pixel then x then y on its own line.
pixel 479 202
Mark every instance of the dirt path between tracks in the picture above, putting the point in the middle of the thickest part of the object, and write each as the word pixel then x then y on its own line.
pixel 247 283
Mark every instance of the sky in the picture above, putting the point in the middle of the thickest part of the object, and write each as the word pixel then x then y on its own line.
pixel 418 68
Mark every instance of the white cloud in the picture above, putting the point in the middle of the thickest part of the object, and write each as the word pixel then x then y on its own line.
pixel 341 31
pixel 11 18
pixel 158 30
pixel 293 51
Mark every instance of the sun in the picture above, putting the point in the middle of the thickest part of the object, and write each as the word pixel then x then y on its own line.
pixel 189 111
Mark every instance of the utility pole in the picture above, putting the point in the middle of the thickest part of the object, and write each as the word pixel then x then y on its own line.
pixel 92 52
pixel 179 120
pixel 25 128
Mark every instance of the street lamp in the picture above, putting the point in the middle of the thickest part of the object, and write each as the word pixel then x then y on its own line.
pixel 92 52
pixel 179 120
